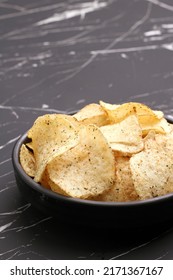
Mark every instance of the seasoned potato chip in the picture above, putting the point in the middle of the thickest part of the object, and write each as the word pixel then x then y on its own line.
pixel 166 141
pixel 51 135
pixel 27 161
pixel 123 189
pixel 152 170
pixel 144 113
pixel 87 169
pixel 125 136
pixel 92 114
pixel 105 152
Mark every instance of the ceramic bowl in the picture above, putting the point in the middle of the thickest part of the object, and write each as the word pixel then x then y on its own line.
pixel 120 215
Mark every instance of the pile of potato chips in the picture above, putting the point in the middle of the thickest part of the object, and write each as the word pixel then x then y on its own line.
pixel 104 152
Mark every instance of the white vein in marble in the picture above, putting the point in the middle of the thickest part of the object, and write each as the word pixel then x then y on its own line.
pixel 81 10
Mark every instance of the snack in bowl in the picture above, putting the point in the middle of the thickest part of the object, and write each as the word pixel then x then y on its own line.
pixel 104 152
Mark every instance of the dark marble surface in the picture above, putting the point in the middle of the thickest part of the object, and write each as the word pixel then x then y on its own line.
pixel 57 56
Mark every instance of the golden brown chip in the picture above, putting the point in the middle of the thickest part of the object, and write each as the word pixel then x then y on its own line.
pixel 123 189
pixel 92 114
pixel 144 113
pixel 51 135
pixel 87 169
pixel 160 126
pixel 45 181
pixel 152 170
pixel 104 152
pixel 27 161
pixel 125 136
pixel 108 106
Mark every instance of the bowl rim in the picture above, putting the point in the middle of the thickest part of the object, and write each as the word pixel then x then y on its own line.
pixel 46 192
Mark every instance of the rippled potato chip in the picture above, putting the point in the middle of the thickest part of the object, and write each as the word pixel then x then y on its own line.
pixel 125 136
pixel 51 135
pixel 92 114
pixel 87 169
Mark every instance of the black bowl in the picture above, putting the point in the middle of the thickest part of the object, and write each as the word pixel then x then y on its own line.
pixel 120 215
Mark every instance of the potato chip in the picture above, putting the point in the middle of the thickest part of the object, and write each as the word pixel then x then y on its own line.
pixel 87 169
pixel 55 187
pixel 108 106
pixel 51 135
pixel 27 160
pixel 159 114
pixel 152 170
pixel 125 136
pixel 120 112
pixel 105 152
pixel 166 141
pixel 92 114
pixel 161 126
pixel 29 145
pixel 123 189
pixel 44 181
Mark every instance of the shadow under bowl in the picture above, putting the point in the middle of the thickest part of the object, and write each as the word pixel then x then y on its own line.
pixel 118 215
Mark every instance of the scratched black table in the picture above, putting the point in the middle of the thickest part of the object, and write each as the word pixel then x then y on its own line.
pixel 57 56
